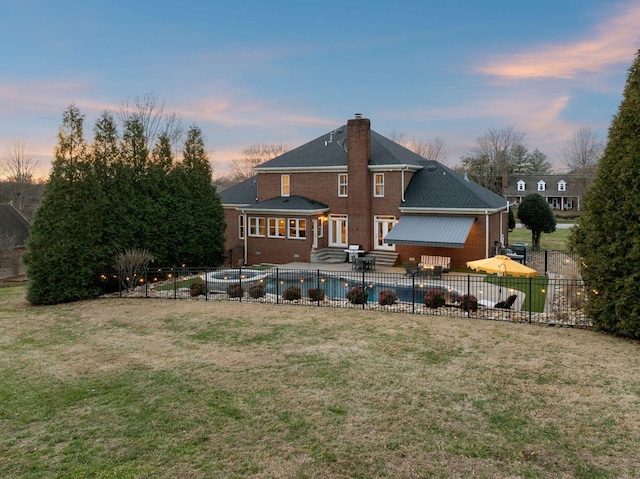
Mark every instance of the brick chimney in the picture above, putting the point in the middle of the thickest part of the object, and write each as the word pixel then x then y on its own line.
pixel 360 187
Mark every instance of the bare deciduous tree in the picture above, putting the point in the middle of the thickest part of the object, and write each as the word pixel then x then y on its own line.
pixel 584 149
pixel 434 149
pixel 255 155
pixel 151 115
pixel 17 169
pixel 493 156
pixel 130 264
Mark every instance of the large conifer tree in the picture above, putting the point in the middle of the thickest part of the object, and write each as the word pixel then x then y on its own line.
pixel 608 236
pixel 112 195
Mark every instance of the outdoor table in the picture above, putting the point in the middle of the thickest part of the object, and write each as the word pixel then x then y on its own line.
pixel 364 263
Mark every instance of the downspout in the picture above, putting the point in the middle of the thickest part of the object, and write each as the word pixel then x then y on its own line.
pixel 486 232
pixel 406 168
pixel 246 236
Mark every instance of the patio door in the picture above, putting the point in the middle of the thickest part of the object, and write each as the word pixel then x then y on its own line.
pixel 382 225
pixel 338 231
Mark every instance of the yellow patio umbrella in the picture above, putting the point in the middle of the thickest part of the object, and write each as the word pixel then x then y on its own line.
pixel 503 265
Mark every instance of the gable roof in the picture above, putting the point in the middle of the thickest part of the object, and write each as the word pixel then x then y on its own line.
pixel 436 187
pixel 328 152
pixel 12 223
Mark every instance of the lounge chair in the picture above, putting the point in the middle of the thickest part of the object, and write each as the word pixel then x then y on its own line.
pixel 506 304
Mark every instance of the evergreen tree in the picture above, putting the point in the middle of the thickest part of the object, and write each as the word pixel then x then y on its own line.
pixel 62 251
pixel 535 213
pixel 201 232
pixel 113 196
pixel 608 236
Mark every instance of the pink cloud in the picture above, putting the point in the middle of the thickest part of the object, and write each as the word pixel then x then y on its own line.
pixel 615 41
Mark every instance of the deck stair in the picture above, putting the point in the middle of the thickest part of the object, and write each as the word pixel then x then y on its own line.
pixel 385 258
pixel 328 256
pixel 335 255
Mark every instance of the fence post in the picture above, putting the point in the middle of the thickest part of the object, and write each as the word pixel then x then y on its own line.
pixel 240 279
pixel 469 294
pixel 278 286
pixel 175 285
pixel 146 283
pixel 206 286
pixel 545 262
pixel 413 293
pixel 364 290
pixel 530 297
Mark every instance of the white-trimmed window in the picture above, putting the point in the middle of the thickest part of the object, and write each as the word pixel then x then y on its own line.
pixel 241 226
pixel 542 186
pixel 276 228
pixel 378 184
pixel 285 185
pixel 297 228
pixel 343 184
pixel 321 221
pixel 521 185
pixel 562 185
pixel 257 226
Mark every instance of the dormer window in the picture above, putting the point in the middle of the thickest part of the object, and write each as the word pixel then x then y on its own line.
pixel 285 185
pixel 542 186
pixel 521 185
pixel 562 185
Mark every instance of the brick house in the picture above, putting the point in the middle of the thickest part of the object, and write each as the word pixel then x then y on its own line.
pixel 353 186
pixel 563 191
pixel 14 230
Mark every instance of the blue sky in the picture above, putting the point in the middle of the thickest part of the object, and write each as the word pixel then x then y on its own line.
pixel 289 71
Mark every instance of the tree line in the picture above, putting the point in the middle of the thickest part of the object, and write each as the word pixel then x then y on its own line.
pixel 122 191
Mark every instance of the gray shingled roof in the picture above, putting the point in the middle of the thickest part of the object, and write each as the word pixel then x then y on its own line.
pixel 436 186
pixel 242 193
pixel 321 153
pixel 289 203
pixel 14 224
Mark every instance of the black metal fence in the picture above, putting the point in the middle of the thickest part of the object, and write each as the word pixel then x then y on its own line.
pixel 539 300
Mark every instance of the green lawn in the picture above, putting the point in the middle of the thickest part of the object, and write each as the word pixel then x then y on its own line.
pixel 558 240
pixel 535 289
pixel 141 388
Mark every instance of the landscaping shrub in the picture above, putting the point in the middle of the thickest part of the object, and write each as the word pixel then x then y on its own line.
pixel 257 291
pixel 469 302
pixel 387 298
pixel 357 295
pixel 197 288
pixel 234 290
pixel 292 293
pixel 316 294
pixel 435 298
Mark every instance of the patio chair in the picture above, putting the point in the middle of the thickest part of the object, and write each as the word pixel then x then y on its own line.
pixel 410 268
pixel 506 304
pixel 437 272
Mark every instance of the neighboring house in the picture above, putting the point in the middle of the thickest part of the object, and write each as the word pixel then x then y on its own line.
pixel 14 229
pixel 562 191
pixel 353 186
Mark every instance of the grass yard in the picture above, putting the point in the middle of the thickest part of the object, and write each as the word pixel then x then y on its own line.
pixel 125 388
pixel 557 241
pixel 535 289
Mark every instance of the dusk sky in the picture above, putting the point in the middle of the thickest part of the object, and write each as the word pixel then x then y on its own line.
pixel 287 72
